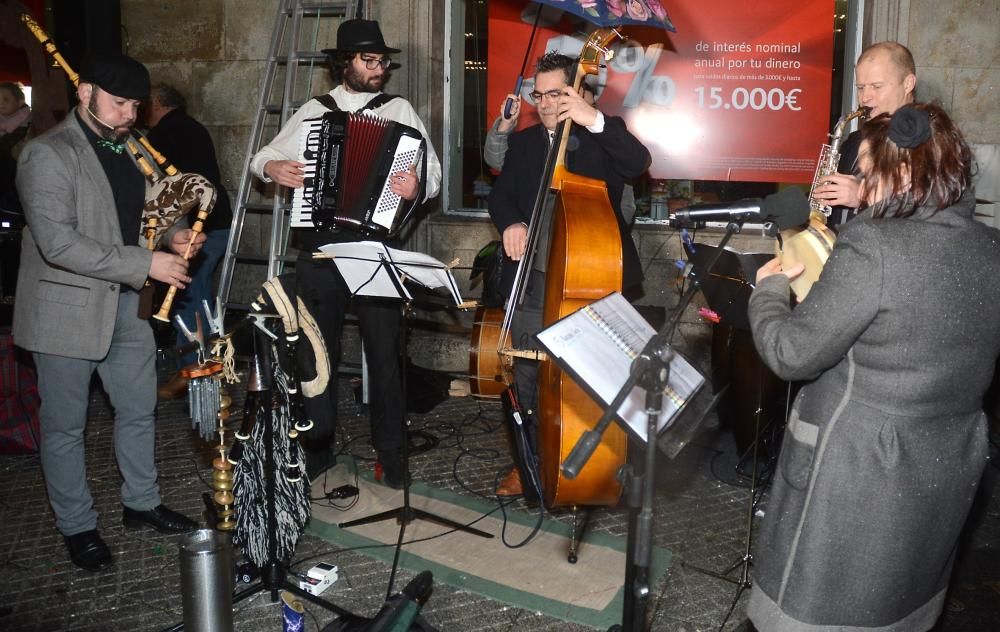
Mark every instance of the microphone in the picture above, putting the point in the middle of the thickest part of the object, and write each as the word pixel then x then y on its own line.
pixel 786 208
pixel 401 609
pixel 98 119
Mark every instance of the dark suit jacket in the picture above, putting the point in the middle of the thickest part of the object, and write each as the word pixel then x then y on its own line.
pixel 613 156
pixel 186 143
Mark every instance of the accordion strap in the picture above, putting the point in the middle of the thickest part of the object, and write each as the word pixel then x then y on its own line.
pixel 330 103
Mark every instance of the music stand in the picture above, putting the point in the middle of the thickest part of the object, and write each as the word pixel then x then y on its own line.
pixel 651 370
pixel 727 286
pixel 371 268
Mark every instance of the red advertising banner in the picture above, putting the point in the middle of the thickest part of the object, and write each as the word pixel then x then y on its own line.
pixel 741 91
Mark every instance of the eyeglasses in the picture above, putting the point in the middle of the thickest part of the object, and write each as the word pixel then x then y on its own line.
pixel 551 94
pixel 371 63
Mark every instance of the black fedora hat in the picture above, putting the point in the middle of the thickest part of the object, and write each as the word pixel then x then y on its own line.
pixel 360 36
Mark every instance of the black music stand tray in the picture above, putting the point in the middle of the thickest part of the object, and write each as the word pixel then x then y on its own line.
pixel 727 285
pixel 372 269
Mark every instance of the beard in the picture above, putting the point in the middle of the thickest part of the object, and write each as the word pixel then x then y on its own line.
pixel 357 83
pixel 117 135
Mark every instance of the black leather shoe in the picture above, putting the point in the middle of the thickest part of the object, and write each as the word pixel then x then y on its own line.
pixel 160 518
pixel 88 551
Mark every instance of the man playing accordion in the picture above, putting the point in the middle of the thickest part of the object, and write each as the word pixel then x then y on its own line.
pixel 360 66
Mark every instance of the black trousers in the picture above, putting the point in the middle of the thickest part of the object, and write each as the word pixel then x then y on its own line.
pixel 323 290
pixel 527 322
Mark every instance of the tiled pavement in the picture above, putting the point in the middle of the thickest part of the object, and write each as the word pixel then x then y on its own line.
pixel 697 517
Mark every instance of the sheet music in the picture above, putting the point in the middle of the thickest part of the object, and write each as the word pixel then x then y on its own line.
pixel 426 270
pixel 362 264
pixel 598 344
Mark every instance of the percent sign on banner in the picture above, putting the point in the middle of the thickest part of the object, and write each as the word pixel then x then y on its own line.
pixel 740 92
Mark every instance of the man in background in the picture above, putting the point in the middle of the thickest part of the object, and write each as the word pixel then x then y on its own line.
pixel 187 144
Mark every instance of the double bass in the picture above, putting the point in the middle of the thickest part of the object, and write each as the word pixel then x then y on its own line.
pixel 584 264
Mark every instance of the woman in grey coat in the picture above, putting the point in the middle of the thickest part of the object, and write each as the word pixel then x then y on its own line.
pixel 886 442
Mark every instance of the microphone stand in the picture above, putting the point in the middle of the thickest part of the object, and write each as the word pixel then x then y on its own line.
pixel 651 370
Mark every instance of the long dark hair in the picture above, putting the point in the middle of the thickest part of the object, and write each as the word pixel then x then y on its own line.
pixel 939 168
pixel 339 61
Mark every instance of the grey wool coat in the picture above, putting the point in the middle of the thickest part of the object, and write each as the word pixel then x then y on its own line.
pixel 73 259
pixel 887 440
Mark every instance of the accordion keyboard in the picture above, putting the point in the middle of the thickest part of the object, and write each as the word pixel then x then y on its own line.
pixel 309 140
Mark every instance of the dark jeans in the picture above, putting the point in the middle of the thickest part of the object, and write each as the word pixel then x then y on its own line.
pixel 202 273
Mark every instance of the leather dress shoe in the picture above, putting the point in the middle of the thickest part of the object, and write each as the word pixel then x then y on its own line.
pixel 160 518
pixel 88 551
pixel 511 484
pixel 174 388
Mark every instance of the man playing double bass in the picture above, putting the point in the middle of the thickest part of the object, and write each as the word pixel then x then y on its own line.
pixel 599 147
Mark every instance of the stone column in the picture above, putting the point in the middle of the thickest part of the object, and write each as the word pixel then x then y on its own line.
pixel 886 20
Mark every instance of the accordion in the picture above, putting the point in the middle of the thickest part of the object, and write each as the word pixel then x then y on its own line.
pixel 348 158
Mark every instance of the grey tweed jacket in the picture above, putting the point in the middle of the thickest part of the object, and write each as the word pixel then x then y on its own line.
pixel 886 441
pixel 73 260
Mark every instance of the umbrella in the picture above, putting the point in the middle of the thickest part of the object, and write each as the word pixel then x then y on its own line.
pixel 616 12
pixel 600 13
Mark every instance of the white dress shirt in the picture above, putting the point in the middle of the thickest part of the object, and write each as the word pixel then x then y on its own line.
pixel 285 145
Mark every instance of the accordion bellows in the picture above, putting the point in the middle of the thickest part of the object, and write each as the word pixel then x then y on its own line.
pixel 348 159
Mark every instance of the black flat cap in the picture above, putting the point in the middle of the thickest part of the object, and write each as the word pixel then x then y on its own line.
pixel 360 36
pixel 116 74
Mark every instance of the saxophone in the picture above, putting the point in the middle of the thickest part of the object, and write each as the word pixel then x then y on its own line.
pixel 829 158
pixel 812 243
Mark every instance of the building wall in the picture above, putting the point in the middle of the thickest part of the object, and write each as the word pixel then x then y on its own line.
pixel 956 46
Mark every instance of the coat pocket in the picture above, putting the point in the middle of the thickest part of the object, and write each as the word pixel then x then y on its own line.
pixel 63 293
pixel 798 450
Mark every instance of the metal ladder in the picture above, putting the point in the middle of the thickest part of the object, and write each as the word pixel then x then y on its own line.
pixel 286 52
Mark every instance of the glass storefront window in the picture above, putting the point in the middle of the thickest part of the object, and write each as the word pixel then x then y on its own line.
pixel 468 178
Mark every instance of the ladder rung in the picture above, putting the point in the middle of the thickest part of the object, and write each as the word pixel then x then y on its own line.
pixel 276 109
pixel 264 207
pixel 264 258
pixel 312 7
pixel 301 57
